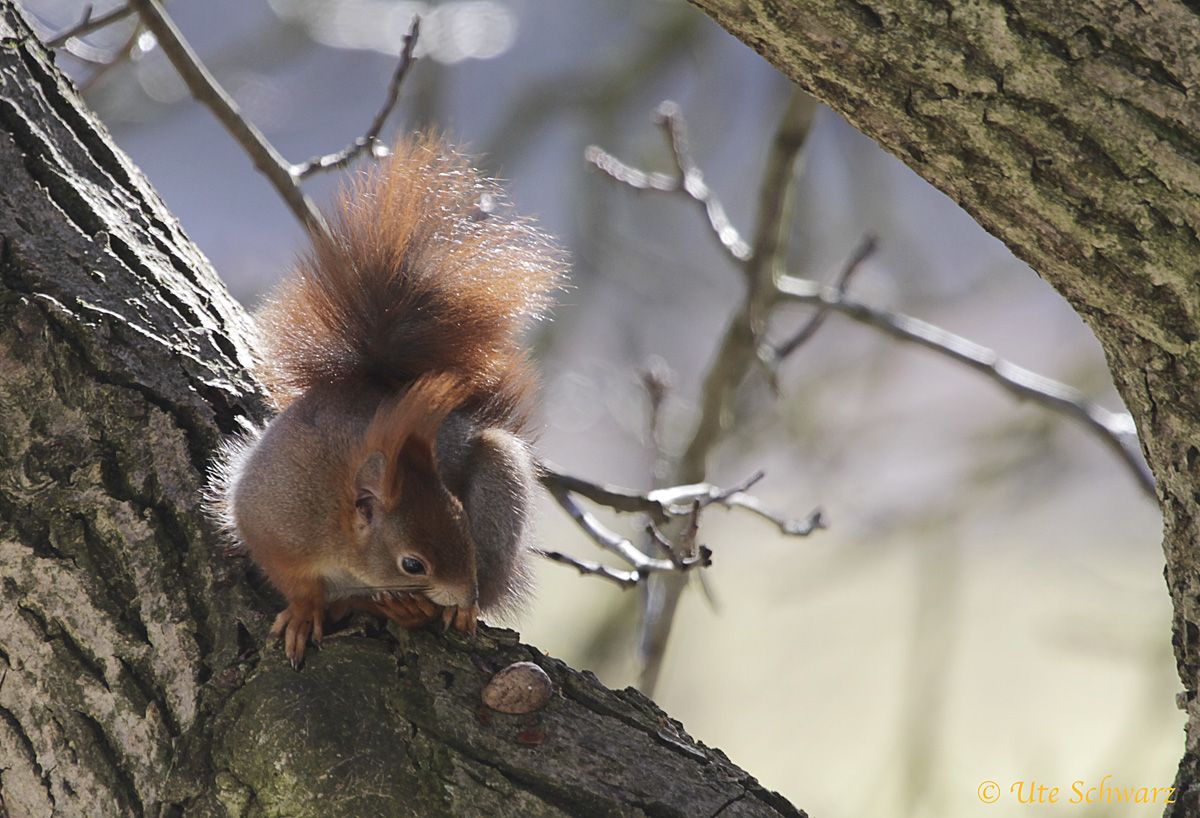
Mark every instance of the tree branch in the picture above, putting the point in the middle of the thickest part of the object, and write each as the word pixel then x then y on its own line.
pixel 736 353
pixel 87 24
pixel 370 140
pixel 1114 430
pixel 738 348
pixel 772 355
pixel 205 89
pixel 688 179
pixel 663 506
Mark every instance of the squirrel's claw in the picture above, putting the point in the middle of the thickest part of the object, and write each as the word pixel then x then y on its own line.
pixel 461 618
pixel 295 624
pixel 318 630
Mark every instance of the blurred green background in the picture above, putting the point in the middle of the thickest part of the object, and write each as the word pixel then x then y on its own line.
pixel 988 602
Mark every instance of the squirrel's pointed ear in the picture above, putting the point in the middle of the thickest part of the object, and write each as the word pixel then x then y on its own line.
pixel 369 480
pixel 418 452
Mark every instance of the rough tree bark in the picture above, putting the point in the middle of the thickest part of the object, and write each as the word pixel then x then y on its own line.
pixel 1070 131
pixel 133 676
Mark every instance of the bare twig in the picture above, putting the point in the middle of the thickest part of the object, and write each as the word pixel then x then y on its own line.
pixel 629 175
pixel 663 506
pixel 205 89
pixel 600 534
pixel 643 565
pixel 660 541
pixel 864 251
pixel 87 24
pixel 792 527
pixel 691 181
pixel 674 502
pixel 736 354
pixel 370 140
pixel 738 348
pixel 614 497
pixel 677 498
pixel 688 180
pixel 1113 429
pixel 626 579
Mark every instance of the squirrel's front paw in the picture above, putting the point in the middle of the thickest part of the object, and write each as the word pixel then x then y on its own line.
pixel 409 611
pixel 296 623
pixel 462 618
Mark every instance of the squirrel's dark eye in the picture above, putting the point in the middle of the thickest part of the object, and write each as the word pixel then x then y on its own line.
pixel 412 565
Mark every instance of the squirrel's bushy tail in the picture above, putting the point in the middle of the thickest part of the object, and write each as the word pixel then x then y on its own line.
pixel 424 271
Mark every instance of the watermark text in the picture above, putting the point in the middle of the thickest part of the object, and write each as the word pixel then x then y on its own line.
pixel 1105 790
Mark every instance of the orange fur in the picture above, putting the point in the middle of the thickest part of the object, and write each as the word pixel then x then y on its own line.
pixel 411 422
pixel 421 250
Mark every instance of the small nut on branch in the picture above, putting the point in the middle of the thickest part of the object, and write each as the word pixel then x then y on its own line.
pixel 522 687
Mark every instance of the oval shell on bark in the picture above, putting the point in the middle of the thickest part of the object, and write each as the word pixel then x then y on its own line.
pixel 522 687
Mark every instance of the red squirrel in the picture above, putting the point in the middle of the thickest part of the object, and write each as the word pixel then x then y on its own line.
pixel 397 476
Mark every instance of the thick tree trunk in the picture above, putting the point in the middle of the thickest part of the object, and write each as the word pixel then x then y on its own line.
pixel 1070 131
pixel 133 675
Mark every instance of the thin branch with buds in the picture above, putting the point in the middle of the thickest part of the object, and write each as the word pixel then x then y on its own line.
pixel 370 140
pixel 666 504
pixel 736 354
pixel 674 504
pixel 663 507
pixel 760 261
pixel 283 175
pixel 688 179
pixel 767 286
pixel 682 558
pixel 864 251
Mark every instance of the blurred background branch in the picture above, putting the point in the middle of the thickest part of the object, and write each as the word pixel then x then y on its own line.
pixel 1114 429
pixel 370 140
pixel 737 351
pixel 766 286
